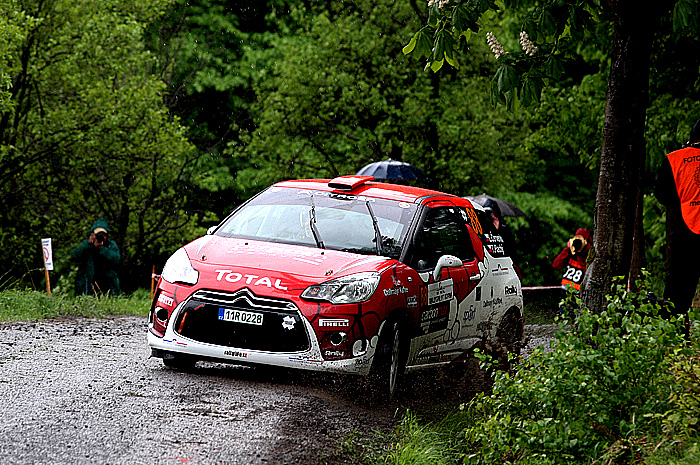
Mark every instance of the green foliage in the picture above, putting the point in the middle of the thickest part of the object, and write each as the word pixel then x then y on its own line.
pixel 366 104
pixel 561 32
pixel 90 137
pixel 604 385
pixel 684 417
pixel 14 25
pixel 557 28
pixel 565 137
pixel 435 443
pixel 622 387
pixel 18 305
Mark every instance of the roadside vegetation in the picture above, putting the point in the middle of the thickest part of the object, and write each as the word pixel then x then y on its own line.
pixel 619 387
pixel 24 305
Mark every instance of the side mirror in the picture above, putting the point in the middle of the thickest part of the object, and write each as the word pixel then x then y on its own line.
pixel 211 230
pixel 446 261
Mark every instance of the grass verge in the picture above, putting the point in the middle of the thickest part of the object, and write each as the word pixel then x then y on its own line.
pixel 20 305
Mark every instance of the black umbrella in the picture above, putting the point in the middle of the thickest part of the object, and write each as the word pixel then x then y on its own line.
pixel 393 170
pixel 507 208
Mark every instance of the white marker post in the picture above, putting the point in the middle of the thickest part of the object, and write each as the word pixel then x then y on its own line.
pixel 48 261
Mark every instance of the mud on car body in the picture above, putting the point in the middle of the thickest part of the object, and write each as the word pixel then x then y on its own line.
pixel 347 275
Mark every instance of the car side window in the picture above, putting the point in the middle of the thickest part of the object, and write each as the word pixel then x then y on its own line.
pixel 442 233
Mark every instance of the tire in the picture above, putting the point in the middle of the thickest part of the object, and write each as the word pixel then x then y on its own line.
pixel 509 337
pixel 390 361
pixel 178 362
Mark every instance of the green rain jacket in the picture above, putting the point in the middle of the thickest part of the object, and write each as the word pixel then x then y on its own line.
pixel 97 268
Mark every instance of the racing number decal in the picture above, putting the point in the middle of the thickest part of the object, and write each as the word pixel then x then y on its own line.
pixel 435 305
pixel 474 221
pixel 573 274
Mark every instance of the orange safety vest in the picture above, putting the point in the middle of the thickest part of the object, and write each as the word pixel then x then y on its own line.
pixel 685 164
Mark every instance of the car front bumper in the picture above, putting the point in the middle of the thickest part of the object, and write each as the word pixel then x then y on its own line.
pixel 310 359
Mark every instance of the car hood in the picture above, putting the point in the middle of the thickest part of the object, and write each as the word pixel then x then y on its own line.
pixel 305 263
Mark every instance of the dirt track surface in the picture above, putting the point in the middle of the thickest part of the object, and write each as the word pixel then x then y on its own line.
pixel 84 391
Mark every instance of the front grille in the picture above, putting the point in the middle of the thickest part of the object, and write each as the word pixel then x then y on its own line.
pixel 282 329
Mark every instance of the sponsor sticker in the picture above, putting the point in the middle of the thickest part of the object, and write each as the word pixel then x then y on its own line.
pixel 288 322
pixel 333 323
pixel 334 353
pixel 165 300
pixel 470 313
pixel 510 290
pixel 251 279
pixel 492 303
pixel 396 291
pixel 235 353
pixel 500 271
pixel 434 318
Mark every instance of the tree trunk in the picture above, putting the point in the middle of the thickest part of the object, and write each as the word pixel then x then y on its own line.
pixel 623 150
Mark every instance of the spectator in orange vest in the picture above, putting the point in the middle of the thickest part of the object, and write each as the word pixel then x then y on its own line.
pixel 678 189
pixel 573 259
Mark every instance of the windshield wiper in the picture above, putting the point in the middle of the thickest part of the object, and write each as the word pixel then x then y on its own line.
pixel 312 223
pixel 377 232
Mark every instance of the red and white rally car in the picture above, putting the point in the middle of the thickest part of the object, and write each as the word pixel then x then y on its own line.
pixel 344 275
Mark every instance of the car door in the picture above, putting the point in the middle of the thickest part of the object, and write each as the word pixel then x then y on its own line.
pixel 441 232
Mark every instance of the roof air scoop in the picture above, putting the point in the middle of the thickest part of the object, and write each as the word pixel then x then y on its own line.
pixel 348 183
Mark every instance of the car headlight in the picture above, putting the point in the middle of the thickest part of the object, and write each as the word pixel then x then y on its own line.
pixel 350 289
pixel 178 269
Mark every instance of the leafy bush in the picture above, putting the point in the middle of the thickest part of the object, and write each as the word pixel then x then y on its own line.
pixel 603 389
pixel 684 418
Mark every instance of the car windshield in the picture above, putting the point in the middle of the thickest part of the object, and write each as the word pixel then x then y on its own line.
pixel 329 220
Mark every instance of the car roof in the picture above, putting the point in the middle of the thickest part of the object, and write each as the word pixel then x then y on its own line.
pixel 367 186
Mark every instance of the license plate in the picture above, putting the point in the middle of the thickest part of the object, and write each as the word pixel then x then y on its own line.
pixel 240 316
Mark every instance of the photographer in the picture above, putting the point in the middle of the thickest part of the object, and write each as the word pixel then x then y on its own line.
pixel 97 258
pixel 573 259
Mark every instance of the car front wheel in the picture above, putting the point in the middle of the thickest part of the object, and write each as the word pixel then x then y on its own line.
pixel 390 361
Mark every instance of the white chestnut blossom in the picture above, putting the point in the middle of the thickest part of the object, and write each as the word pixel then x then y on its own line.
pixel 440 3
pixel 527 45
pixel 495 45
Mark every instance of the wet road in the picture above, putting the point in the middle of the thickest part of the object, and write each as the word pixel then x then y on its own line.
pixel 84 391
pixel 81 391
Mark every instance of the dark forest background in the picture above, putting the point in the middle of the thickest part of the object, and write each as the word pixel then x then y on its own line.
pixel 162 116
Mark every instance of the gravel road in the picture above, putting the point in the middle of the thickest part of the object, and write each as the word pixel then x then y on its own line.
pixel 84 391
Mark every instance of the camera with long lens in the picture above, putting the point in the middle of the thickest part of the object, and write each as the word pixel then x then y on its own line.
pixel 577 244
pixel 101 238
